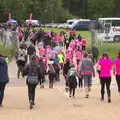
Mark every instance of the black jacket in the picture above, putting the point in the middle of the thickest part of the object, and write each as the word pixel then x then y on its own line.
pixel 66 68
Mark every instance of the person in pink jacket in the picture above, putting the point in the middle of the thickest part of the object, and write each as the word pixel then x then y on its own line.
pixel 105 65
pixel 60 40
pixel 84 44
pixel 55 38
pixel 78 56
pixel 116 71
pixel 69 56
pixel 42 52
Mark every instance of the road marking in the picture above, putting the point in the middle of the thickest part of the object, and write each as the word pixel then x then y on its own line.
pixel 59 89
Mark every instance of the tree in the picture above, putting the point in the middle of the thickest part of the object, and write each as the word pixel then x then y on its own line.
pixel 100 8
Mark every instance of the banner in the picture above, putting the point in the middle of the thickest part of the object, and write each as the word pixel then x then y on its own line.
pixel 9 17
pixel 30 21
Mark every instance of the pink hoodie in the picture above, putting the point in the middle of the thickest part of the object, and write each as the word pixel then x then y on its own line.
pixel 106 66
pixel 59 38
pixel 55 38
pixel 117 65
pixel 78 55
pixel 42 52
pixel 84 42
pixel 48 50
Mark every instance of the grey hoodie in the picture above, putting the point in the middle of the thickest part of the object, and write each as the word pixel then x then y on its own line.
pixel 87 67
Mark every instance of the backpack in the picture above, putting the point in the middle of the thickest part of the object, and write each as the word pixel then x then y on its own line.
pixel 52 69
pixel 32 75
pixel 72 72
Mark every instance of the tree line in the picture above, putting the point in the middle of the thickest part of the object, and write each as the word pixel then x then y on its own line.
pixel 58 10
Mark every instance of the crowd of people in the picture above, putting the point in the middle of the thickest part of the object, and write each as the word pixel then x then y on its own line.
pixel 65 53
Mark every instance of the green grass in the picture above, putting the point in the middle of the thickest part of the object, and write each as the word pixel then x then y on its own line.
pixel 86 34
pixel 6 51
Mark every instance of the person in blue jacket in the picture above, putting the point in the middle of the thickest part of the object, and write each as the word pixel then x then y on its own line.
pixel 4 79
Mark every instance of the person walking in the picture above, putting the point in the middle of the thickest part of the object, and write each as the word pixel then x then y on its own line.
pixel 32 71
pixel 78 56
pixel 80 77
pixel 4 79
pixel 51 73
pixel 20 64
pixel 57 68
pixel 31 51
pixel 105 65
pixel 87 69
pixel 42 72
pixel 84 44
pixel 95 54
pixel 61 58
pixel 72 81
pixel 116 71
pixel 66 68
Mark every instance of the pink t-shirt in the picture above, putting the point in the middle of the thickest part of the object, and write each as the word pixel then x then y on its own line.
pixel 55 38
pixel 117 64
pixel 83 42
pixel 42 52
pixel 106 66
pixel 59 38
pixel 78 55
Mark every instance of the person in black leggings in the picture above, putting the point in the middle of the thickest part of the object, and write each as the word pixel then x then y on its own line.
pixel 116 71
pixel 105 76
pixel 72 81
pixel 105 81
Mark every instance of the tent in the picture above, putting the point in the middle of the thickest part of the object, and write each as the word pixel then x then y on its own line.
pixel 12 21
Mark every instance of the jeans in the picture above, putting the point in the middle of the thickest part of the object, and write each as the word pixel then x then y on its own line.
pixel 105 81
pixel 2 89
pixel 31 92
pixel 87 80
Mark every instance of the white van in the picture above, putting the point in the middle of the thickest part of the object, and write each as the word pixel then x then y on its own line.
pixel 34 22
pixel 81 24
pixel 109 29
pixel 70 22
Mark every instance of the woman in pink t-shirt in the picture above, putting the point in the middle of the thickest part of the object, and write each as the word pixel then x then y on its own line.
pixel 78 56
pixel 42 52
pixel 84 44
pixel 116 71
pixel 105 65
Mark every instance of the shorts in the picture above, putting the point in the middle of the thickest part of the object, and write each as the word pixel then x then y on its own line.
pixel 87 80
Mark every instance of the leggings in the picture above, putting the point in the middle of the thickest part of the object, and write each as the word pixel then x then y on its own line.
pixel 118 82
pixel 72 84
pixel 78 61
pixel 72 89
pixel 80 82
pixel 105 81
